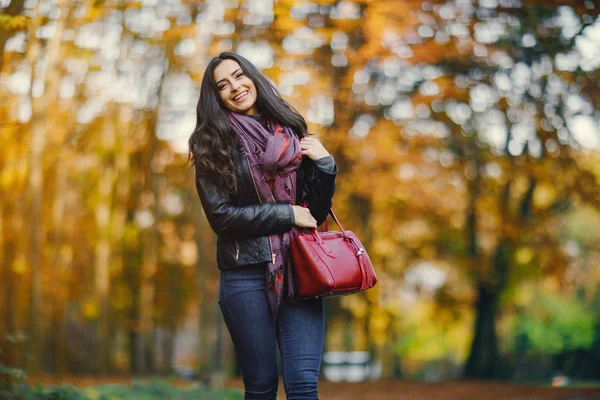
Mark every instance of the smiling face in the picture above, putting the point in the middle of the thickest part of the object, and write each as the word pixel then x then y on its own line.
pixel 236 90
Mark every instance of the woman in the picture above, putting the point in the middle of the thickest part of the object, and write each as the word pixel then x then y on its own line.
pixel 255 165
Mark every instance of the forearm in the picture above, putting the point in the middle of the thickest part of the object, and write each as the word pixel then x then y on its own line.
pixel 242 221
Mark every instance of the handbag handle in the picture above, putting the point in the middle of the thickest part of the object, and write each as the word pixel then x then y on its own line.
pixel 337 221
pixel 325 226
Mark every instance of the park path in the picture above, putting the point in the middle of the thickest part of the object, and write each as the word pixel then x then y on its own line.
pixel 447 390
pixel 388 389
pixel 450 390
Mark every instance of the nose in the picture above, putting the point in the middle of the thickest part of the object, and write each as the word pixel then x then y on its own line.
pixel 236 87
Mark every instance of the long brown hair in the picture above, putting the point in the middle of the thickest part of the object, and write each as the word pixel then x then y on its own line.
pixel 213 145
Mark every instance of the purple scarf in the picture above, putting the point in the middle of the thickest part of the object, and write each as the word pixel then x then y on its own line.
pixel 274 155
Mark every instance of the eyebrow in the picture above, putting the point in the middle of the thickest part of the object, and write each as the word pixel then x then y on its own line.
pixel 232 74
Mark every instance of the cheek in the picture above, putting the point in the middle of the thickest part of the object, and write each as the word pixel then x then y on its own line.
pixel 248 83
pixel 223 95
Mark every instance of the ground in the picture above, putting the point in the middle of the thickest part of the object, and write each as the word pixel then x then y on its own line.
pixel 396 390
pixel 449 390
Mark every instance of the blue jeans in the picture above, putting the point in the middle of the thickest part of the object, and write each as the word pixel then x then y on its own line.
pixel 299 332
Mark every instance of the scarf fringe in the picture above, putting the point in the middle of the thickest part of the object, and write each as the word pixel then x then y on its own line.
pixel 275 301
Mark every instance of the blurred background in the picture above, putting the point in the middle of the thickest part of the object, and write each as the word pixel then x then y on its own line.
pixel 467 138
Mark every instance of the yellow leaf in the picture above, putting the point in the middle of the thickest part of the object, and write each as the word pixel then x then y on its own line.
pixel 121 297
pixel 524 255
pixel 20 266
pixel 90 309
pixel 544 196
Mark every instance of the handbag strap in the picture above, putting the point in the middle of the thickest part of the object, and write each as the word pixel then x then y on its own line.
pixel 325 225
pixel 337 221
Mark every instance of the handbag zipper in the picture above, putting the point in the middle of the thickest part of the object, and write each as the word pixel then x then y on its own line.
pixel 273 255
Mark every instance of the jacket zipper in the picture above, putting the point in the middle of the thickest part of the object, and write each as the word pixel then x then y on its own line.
pixel 237 249
pixel 273 255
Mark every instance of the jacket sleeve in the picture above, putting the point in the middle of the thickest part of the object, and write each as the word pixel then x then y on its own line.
pixel 242 221
pixel 319 188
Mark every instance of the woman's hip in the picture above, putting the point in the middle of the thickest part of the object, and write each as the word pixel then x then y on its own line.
pixel 243 283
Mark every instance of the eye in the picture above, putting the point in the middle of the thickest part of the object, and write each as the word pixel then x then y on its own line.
pixel 221 87
pixel 238 76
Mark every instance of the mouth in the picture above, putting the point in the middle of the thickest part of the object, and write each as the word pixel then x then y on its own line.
pixel 240 97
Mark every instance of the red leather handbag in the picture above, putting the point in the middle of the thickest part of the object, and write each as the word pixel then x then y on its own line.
pixel 330 263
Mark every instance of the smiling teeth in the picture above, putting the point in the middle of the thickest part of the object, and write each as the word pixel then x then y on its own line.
pixel 239 96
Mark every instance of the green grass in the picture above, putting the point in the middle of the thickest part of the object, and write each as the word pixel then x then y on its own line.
pixel 583 384
pixel 139 390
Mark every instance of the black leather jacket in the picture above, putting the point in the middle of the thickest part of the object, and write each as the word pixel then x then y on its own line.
pixel 243 224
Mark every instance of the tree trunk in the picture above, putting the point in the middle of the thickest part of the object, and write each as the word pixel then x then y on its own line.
pixel 132 264
pixel 35 187
pixel 8 350
pixel 168 349
pixel 102 275
pixel 40 126
pixel 120 213
pixel 348 335
pixel 170 325
pixel 204 359
pixel 4 278
pixel 150 238
pixel 396 366
pixel 136 353
pixel 483 359
pixel 217 377
pixel 151 255
pixel 482 362
pixel 55 343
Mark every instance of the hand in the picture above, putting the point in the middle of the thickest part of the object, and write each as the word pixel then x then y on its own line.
pixel 313 148
pixel 303 218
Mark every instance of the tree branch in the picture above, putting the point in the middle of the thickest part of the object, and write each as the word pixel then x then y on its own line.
pixel 527 200
pixel 14 8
